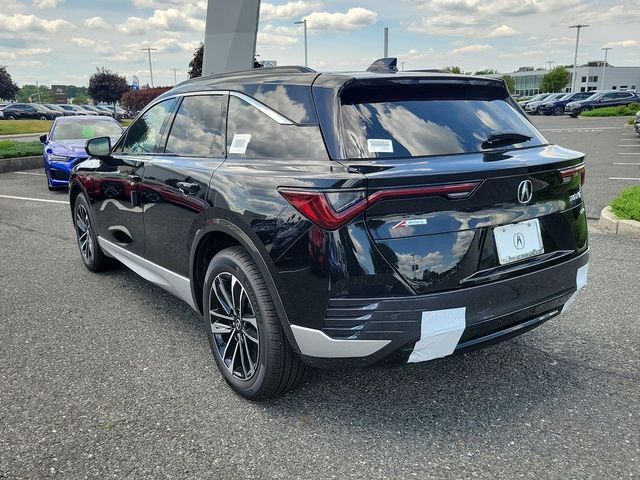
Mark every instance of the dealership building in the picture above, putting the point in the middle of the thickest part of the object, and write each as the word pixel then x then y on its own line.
pixel 589 78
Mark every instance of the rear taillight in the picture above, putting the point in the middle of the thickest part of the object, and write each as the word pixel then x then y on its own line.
pixel 568 173
pixel 332 209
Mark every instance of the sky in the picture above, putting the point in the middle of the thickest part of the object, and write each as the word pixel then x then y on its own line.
pixel 64 41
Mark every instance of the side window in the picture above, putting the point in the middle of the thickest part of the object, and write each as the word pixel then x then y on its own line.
pixel 197 128
pixel 143 135
pixel 253 134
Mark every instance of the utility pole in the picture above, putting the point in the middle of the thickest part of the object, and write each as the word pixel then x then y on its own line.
pixel 148 50
pixel 304 23
pixel 386 42
pixel 550 62
pixel 38 89
pixel 175 77
pixel 604 65
pixel 402 66
pixel 575 57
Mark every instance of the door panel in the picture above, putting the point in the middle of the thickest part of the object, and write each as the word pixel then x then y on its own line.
pixel 174 189
pixel 120 207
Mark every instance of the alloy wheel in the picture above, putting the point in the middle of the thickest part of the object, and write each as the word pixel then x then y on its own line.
pixel 234 326
pixel 83 228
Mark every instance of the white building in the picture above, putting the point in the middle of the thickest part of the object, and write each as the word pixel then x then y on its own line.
pixel 589 77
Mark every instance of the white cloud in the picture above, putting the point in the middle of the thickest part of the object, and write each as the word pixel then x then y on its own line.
pixel 275 40
pixel 352 19
pixel 268 11
pixel 475 48
pixel 19 22
pixel 23 52
pixel 170 19
pixel 96 23
pixel 46 3
pixel 165 45
pixel 83 42
pixel 623 44
pixel 503 31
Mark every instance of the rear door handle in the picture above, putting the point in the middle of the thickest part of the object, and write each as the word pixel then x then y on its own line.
pixel 188 187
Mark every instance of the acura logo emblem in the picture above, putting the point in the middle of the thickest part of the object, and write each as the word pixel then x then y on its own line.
pixel 525 191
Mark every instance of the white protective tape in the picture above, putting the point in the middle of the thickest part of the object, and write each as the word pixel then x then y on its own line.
pixel 581 281
pixel 440 332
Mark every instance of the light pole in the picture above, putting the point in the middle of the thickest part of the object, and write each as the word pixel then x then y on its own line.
pixel 402 66
pixel 550 62
pixel 148 50
pixel 175 77
pixel 386 42
pixel 604 65
pixel 304 23
pixel 575 57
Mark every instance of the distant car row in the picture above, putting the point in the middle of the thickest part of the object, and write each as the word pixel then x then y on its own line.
pixel 576 103
pixel 50 111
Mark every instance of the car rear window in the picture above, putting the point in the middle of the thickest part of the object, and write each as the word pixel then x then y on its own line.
pixel 428 120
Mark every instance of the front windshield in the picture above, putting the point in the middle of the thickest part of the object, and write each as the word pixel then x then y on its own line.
pixel 40 108
pixel 85 129
pixel 566 97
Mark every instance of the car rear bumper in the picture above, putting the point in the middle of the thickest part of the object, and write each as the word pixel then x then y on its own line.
pixel 360 332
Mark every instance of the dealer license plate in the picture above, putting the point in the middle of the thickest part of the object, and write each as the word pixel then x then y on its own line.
pixel 518 241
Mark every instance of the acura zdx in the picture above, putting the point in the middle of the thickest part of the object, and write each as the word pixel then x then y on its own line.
pixel 338 219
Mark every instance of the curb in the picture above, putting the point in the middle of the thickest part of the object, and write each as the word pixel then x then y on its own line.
pixel 609 222
pixel 20 163
pixel 9 136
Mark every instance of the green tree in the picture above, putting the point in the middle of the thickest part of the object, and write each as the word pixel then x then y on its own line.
pixel 8 89
pixel 195 65
pixel 106 86
pixel 486 71
pixel 453 69
pixel 556 80
pixel 510 82
pixel 29 93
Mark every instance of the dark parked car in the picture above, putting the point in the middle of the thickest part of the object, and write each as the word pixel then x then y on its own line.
pixel 339 220
pixel 556 107
pixel 606 98
pixel 74 109
pixel 21 111
pixel 58 108
pixel 636 124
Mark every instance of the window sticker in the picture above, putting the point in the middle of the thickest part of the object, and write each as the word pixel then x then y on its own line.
pixel 88 131
pixel 240 143
pixel 379 145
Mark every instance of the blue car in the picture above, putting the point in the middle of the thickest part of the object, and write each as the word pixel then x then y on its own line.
pixel 556 107
pixel 64 144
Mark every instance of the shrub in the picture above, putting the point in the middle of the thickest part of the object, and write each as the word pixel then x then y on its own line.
pixel 13 149
pixel 627 204
pixel 136 100
pixel 619 111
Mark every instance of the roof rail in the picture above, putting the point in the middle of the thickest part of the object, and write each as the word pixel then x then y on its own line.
pixel 384 65
pixel 289 69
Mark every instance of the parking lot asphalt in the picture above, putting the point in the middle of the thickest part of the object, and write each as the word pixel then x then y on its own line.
pixel 107 376
pixel 612 153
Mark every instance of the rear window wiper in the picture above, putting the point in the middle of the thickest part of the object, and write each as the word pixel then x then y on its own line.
pixel 501 139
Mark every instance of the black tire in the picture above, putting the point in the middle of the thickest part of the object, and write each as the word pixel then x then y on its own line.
pixel 43 117
pixel 558 111
pixel 94 258
pixel 11 117
pixel 274 368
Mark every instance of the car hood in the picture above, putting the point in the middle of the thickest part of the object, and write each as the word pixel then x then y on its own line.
pixel 69 148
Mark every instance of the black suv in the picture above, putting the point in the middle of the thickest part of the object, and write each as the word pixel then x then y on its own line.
pixel 611 98
pixel 15 111
pixel 338 219
pixel 556 107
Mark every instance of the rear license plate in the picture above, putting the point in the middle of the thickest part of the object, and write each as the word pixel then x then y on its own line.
pixel 518 241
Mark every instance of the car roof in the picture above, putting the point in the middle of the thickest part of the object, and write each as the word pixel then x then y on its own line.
pixel 84 118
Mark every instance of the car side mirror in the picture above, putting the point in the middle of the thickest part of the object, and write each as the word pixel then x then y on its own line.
pixel 98 147
pixel 43 138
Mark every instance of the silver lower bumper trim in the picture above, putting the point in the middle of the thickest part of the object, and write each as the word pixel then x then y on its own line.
pixel 314 343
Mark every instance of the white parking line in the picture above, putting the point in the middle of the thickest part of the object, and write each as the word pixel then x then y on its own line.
pixel 34 199
pixel 623 163
pixel 630 145
pixel 31 173
pixel 628 153
pixel 625 178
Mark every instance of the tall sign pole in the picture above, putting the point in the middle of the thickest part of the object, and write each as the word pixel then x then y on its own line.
pixel 230 35
pixel 604 64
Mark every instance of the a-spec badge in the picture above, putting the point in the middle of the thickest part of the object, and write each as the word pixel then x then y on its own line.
pixel 410 223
